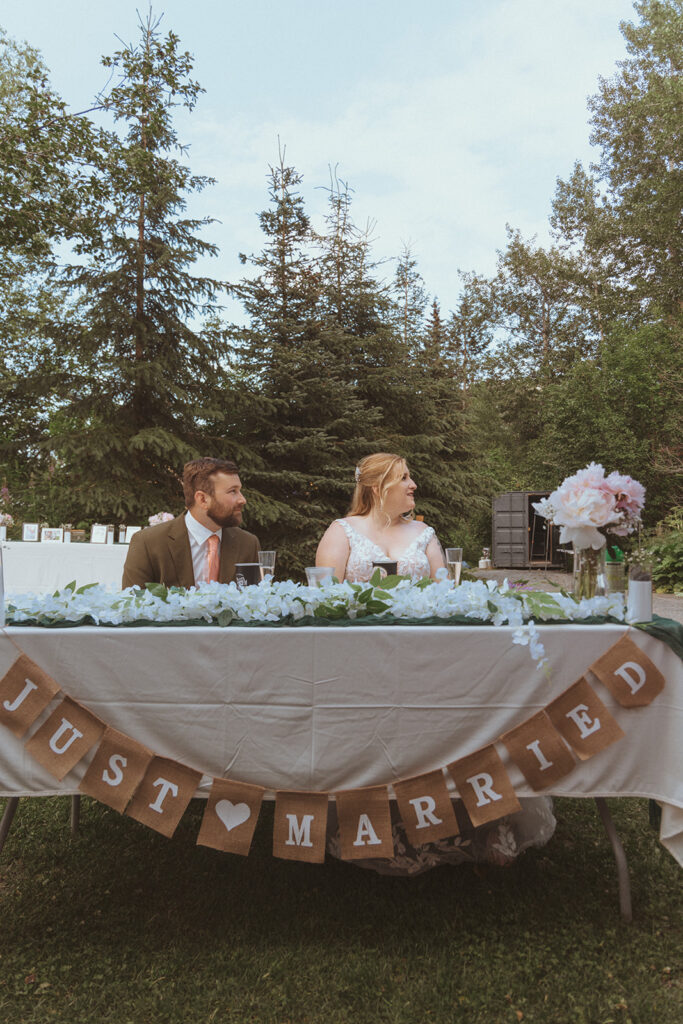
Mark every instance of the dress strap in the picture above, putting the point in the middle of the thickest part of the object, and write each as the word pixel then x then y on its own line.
pixel 426 536
pixel 348 529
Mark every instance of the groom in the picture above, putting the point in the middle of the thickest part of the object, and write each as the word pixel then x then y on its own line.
pixel 202 545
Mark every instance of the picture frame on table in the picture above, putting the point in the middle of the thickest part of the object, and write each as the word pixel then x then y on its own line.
pixel 130 532
pixel 52 535
pixel 98 533
pixel 30 531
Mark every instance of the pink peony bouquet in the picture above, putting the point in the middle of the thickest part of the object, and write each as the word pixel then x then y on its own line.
pixel 160 517
pixel 589 505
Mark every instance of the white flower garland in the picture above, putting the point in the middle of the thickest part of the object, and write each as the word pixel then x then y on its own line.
pixel 271 601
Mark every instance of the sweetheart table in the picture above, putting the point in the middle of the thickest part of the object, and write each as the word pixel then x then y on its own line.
pixel 337 708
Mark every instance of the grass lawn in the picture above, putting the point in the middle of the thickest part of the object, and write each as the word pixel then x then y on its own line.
pixel 121 925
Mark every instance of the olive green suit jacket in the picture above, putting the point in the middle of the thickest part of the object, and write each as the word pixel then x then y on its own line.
pixel 161 554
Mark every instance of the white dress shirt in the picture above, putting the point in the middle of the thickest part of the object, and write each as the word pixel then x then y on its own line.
pixel 199 535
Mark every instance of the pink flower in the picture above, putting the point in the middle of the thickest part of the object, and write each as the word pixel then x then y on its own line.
pixel 629 493
pixel 160 517
pixel 588 505
pixel 581 508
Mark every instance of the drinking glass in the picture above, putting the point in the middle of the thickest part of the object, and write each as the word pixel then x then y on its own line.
pixel 318 575
pixel 247 574
pixel 386 567
pixel 454 564
pixel 266 560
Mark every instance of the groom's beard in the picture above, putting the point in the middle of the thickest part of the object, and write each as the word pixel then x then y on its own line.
pixel 224 519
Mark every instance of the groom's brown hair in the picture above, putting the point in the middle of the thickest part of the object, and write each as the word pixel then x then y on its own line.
pixel 198 476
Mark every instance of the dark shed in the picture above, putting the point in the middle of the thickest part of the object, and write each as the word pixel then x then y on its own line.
pixel 522 538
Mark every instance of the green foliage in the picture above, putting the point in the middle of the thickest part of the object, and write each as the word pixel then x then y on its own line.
pixel 637 125
pixel 142 379
pixel 665 547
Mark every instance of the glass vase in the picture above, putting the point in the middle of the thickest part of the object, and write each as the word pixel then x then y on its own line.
pixel 589 572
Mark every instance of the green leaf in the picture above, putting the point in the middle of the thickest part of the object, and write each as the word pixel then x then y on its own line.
pixel 331 611
pixel 225 617
pixel 158 589
pixel 86 586
pixel 543 605
pixel 390 581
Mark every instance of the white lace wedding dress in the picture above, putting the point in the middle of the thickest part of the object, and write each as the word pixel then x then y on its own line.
pixel 363 552
pixel 498 843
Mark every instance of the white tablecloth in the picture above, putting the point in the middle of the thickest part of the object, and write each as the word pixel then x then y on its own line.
pixel 35 568
pixel 334 708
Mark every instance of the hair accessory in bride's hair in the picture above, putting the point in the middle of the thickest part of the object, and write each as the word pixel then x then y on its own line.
pixel 356 474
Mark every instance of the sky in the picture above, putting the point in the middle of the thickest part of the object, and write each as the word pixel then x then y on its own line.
pixel 448 119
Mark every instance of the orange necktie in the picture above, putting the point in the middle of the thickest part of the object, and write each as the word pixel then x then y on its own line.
pixel 212 560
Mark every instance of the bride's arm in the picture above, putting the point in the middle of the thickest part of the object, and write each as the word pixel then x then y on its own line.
pixel 333 550
pixel 435 556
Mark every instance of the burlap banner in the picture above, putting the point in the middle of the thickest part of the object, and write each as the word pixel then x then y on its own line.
pixel 25 692
pixel 300 826
pixel 156 790
pixel 230 817
pixel 65 738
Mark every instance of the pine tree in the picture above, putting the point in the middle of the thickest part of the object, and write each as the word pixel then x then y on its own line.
pixel 470 330
pixel 410 297
pixel 144 377
pixel 300 414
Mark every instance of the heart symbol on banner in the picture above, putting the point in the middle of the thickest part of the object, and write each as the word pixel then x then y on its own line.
pixel 231 814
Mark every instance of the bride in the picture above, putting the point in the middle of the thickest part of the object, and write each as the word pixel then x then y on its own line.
pixel 378 526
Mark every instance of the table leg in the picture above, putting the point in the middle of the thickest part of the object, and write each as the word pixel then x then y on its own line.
pixel 75 814
pixel 620 858
pixel 8 814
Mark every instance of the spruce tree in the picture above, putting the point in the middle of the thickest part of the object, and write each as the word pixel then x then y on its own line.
pixel 299 412
pixel 144 378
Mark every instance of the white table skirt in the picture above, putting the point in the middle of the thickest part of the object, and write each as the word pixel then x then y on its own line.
pixel 36 568
pixel 336 708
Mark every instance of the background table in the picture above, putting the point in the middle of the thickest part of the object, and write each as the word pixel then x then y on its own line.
pixel 34 568
pixel 337 708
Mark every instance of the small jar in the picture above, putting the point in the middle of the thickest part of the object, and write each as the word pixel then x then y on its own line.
pixel 639 595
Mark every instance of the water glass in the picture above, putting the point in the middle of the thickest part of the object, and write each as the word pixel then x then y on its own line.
pixel 319 575
pixel 454 564
pixel 266 560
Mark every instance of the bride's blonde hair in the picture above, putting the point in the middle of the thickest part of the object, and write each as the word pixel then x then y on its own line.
pixel 381 470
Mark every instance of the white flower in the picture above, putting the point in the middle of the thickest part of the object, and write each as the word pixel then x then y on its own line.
pixel 277 601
